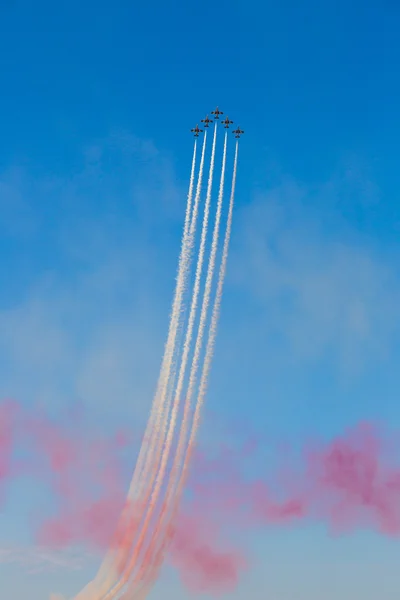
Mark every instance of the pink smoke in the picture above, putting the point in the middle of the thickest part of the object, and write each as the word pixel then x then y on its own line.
pixel 353 483
pixel 349 483
pixel 203 562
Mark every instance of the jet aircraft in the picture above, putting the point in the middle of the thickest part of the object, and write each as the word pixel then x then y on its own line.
pixel 196 131
pixel 238 132
pixel 217 112
pixel 227 122
pixel 206 121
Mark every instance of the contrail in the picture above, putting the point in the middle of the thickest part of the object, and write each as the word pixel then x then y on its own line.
pixel 147 578
pixel 165 454
pixel 157 440
pixel 152 429
pixel 192 316
pixel 186 265
pixel 182 278
pixel 161 404
pixel 214 319
pixel 166 398
pixel 181 456
pixel 180 453
pixel 207 358
pixel 205 305
pixel 150 438
pixel 137 551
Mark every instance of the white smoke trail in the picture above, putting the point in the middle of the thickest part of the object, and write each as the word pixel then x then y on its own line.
pixel 166 450
pixel 160 430
pixel 168 388
pixel 183 272
pixel 151 576
pixel 189 331
pixel 214 321
pixel 153 560
pixel 162 413
pixel 146 576
pixel 204 309
pixel 172 493
pixel 104 576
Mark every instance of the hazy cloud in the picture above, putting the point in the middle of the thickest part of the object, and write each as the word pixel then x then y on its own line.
pixel 318 290
pixel 39 559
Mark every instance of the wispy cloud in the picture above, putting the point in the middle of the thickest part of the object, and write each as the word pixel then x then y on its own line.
pixel 40 559
pixel 86 323
pixel 319 289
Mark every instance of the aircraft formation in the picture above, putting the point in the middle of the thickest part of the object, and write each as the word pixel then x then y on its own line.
pixel 226 122
pixel 148 520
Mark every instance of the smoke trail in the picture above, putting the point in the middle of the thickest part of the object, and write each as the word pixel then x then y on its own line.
pixel 157 432
pixel 204 308
pixel 167 395
pixel 158 536
pixel 160 410
pixel 211 335
pixel 150 440
pixel 158 533
pixel 192 316
pixel 210 342
pixel 184 258
pixel 215 313
pixel 180 453
pixel 165 455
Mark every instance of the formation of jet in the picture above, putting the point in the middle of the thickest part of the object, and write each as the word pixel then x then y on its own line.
pixel 226 122
pixel 196 131
pixel 238 132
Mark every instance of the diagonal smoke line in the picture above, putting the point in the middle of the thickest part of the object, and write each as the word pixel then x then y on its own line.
pixel 151 444
pixel 160 474
pixel 136 554
pixel 181 451
pixel 177 479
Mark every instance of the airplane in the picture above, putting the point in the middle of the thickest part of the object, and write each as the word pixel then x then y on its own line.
pixel 197 131
pixel 217 112
pixel 238 132
pixel 206 121
pixel 227 122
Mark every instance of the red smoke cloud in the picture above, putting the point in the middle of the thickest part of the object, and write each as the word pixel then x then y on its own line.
pixel 353 482
pixel 203 562
pixel 82 469
pixel 348 483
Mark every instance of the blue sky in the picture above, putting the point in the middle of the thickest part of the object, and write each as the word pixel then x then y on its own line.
pixel 97 102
